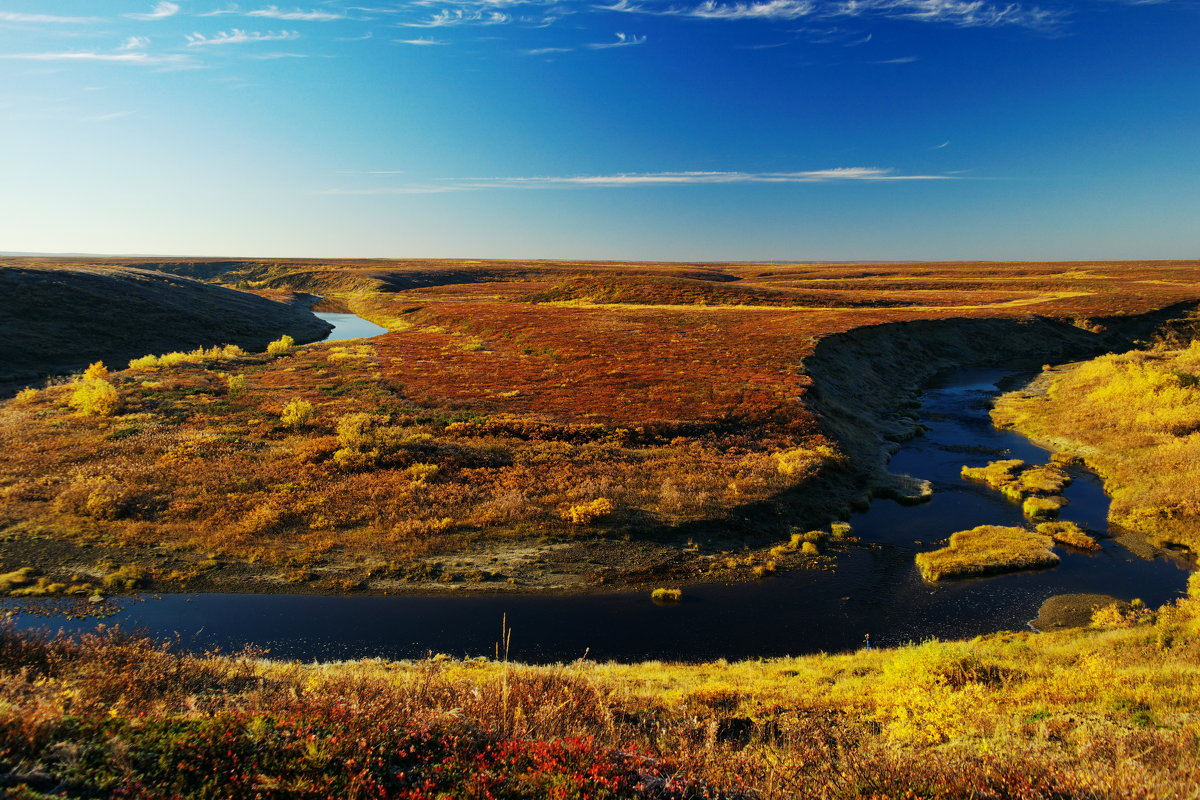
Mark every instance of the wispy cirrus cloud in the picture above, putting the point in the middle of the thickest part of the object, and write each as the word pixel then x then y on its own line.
pixel 275 12
pixel 237 36
pixel 160 11
pixel 959 13
pixel 422 42
pixel 623 40
pixel 135 43
pixel 126 57
pixel 447 17
pixel 633 179
pixel 13 16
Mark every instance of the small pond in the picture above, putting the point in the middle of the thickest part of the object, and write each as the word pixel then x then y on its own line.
pixel 875 589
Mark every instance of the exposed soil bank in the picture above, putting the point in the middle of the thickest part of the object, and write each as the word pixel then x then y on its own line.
pixel 866 381
pixel 1073 610
pixel 59 319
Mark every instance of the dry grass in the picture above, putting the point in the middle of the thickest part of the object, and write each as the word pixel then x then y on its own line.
pixel 987 549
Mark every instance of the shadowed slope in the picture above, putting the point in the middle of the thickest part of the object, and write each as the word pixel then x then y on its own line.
pixel 55 319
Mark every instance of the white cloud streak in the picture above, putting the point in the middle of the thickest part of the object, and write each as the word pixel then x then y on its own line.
pixel 273 12
pixel 959 13
pixel 446 18
pixel 631 179
pixel 623 40
pixel 237 36
pixel 419 42
pixel 122 57
pixel 13 16
pixel 160 11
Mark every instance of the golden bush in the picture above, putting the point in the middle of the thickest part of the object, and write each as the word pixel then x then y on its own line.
pixel 296 414
pixel 96 371
pixel 587 513
pixel 95 398
pixel 235 386
pixel 281 346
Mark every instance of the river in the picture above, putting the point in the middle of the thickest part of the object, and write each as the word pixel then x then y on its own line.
pixel 874 589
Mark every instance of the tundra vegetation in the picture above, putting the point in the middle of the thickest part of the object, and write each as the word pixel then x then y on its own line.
pixel 1107 711
pixel 551 408
pixel 1134 418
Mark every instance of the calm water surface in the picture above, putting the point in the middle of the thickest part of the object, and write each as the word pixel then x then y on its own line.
pixel 348 326
pixel 875 589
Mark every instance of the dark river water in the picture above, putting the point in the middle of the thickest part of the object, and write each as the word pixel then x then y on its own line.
pixel 875 589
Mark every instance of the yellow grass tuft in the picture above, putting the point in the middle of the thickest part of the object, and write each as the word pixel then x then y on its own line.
pixel 987 549
pixel 1043 507
pixel 1068 533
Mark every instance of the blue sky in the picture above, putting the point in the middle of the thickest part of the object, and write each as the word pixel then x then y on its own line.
pixel 623 129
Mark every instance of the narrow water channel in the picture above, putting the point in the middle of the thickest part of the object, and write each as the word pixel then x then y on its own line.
pixel 875 589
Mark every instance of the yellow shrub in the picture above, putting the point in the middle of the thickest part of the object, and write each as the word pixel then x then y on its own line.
pixel 800 462
pixel 26 396
pixel 145 362
pixel 423 473
pixel 1121 615
pixel 173 359
pixel 95 398
pixel 587 513
pixel 357 430
pixel 281 346
pixel 296 414
pixel 106 500
pixel 95 372
pixel 236 385
pixel 666 595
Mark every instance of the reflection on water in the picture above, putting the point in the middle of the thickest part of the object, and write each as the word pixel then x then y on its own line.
pixel 348 326
pixel 875 589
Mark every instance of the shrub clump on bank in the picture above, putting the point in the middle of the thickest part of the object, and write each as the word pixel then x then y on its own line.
pixel 987 549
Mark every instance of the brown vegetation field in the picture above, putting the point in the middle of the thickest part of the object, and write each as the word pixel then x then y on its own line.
pixel 519 425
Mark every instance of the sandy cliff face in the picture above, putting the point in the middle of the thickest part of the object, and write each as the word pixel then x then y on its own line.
pixel 57 319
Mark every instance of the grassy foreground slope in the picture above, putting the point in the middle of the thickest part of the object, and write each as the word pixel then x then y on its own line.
pixel 1111 712
pixel 1135 419
pixel 521 420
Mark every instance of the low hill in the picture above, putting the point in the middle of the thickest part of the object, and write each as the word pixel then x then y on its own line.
pixel 58 318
